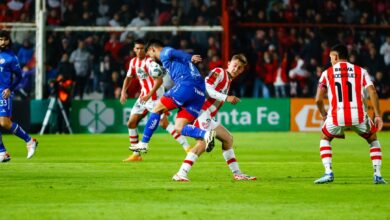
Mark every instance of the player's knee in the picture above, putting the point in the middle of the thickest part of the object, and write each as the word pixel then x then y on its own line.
pixel 178 129
pixel 372 138
pixel 163 124
pixel 5 123
pixel 228 141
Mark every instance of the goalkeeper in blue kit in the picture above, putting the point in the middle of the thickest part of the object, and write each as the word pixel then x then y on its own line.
pixel 187 95
pixel 11 74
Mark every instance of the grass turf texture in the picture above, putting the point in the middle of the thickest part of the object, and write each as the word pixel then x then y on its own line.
pixel 82 177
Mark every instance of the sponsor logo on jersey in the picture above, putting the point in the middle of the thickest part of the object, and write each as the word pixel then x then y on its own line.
pixel 2 60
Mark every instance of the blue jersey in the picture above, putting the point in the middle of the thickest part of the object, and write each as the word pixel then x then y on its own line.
pixel 9 64
pixel 180 67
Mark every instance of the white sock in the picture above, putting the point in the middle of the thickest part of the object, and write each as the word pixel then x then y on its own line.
pixel 326 155
pixel 376 157
pixel 178 137
pixel 187 164
pixel 230 159
pixel 133 137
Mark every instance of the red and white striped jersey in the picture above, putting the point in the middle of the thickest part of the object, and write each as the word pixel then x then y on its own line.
pixel 140 68
pixel 345 83
pixel 217 86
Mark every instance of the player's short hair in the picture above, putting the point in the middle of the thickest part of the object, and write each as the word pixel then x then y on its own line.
pixel 4 34
pixel 241 57
pixel 139 41
pixel 154 43
pixel 341 50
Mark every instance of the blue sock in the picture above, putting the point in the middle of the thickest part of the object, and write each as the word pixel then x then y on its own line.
pixel 18 131
pixel 192 131
pixel 2 147
pixel 150 127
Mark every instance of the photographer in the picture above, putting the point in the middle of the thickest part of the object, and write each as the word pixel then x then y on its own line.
pixel 62 88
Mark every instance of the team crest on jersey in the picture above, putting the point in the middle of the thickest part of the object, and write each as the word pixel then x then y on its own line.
pixel 2 60
pixel 141 73
pixel 205 125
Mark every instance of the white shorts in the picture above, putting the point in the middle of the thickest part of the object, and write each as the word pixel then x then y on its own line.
pixel 365 129
pixel 206 122
pixel 141 109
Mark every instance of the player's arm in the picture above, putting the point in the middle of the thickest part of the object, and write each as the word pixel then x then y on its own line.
pixel 321 90
pixel 158 81
pixel 17 71
pixel 375 104
pixel 125 86
pixel 211 82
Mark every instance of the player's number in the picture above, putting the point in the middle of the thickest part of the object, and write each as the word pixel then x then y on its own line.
pixel 3 102
pixel 340 93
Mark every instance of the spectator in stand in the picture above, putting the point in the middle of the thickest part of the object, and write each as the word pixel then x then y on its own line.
pixel 299 76
pixel 103 10
pixel 385 52
pixel 70 16
pixel 113 47
pixel 270 67
pixel 115 21
pixel 259 78
pixel 281 78
pixel 81 60
pixel 53 18
pixel 113 87
pixel 25 53
pixel 140 21
pixel 382 88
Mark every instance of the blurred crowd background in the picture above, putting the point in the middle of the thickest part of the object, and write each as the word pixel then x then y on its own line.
pixel 283 61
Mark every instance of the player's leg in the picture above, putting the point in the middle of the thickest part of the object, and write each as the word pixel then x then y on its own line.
pixel 170 128
pixel 326 157
pixel 376 158
pixel 203 121
pixel 151 125
pixel 329 131
pixel 182 126
pixel 228 153
pixel 191 158
pixel 4 156
pixel 5 122
pixel 368 130
pixel 133 133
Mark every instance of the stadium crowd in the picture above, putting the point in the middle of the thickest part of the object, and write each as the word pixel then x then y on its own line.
pixel 283 61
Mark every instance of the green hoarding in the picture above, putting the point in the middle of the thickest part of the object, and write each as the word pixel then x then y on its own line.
pixel 109 116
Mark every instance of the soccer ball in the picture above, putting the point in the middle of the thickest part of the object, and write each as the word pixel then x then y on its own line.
pixel 155 70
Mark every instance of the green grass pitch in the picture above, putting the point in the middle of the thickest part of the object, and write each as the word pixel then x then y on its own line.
pixel 83 177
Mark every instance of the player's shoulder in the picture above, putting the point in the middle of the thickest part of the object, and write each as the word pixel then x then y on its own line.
pixel 165 52
pixel 148 59
pixel 217 71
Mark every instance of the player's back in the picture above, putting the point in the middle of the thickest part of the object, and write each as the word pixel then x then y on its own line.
pixel 345 84
pixel 180 67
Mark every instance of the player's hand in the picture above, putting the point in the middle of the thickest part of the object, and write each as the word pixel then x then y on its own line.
pixel 123 98
pixel 6 93
pixel 196 59
pixel 232 99
pixel 378 122
pixel 144 99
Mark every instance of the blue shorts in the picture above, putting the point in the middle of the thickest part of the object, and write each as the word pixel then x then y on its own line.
pixel 5 105
pixel 188 96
